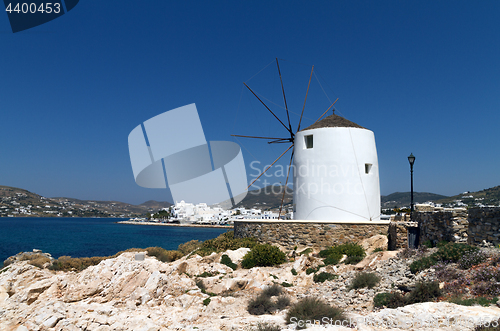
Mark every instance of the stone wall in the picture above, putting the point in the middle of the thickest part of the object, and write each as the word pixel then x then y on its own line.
pixel 447 224
pixel 398 231
pixel 320 234
pixel 484 224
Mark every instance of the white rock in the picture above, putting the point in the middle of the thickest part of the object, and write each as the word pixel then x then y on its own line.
pixel 237 255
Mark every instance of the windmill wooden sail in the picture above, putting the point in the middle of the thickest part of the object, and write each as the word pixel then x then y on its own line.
pixel 325 144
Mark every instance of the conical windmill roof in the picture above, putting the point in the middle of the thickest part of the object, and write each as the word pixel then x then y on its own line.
pixel 333 121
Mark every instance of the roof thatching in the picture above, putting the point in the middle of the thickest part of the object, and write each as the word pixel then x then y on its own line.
pixel 333 121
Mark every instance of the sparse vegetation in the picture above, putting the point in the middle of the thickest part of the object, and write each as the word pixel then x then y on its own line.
pixel 312 270
pixel 483 301
pixel 333 255
pixel 306 251
pixel 294 272
pixel 206 302
pixel 273 290
pixel 323 276
pixel 264 304
pixel 267 327
pixel 311 310
pixel 224 242
pixel 68 263
pixel 282 302
pixel 449 253
pixel 206 274
pixel 423 292
pixel 189 247
pixel 364 279
pixel 389 300
pixel 260 305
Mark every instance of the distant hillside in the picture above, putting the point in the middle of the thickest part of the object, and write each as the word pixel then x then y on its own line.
pixel 400 199
pixel 268 197
pixel 486 197
pixel 22 203
pixel 155 205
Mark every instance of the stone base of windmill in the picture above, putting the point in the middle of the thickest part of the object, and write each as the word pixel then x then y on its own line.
pixel 290 234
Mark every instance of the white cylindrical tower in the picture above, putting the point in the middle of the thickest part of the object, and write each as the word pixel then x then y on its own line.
pixel 336 172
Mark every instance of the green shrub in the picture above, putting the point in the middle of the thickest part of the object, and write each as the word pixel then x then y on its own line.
pixel 313 310
pixel 389 300
pixel 323 276
pixel 260 305
pixel 285 284
pixel 223 243
pixel 483 301
pixel 312 270
pixel 423 292
pixel 452 252
pixel 351 249
pixel 206 301
pixel 294 272
pixel 364 279
pixel 428 244
pixel 441 243
pixel 332 259
pixel 333 255
pixel 226 260
pixel 449 252
pixel 263 255
pixel 378 249
pixel 423 263
pixel 272 291
pixel 353 259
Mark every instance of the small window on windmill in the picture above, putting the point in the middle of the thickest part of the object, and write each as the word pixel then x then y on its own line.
pixel 309 141
pixel 368 167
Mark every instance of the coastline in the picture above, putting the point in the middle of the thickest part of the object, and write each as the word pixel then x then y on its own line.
pixel 177 224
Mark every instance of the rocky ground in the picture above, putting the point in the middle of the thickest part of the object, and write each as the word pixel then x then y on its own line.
pixel 131 293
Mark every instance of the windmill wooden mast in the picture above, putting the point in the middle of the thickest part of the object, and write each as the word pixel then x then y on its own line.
pixel 291 139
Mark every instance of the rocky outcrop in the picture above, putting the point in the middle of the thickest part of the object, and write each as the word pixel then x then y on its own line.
pixel 125 293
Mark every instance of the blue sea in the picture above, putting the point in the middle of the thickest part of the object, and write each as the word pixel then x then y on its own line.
pixel 83 237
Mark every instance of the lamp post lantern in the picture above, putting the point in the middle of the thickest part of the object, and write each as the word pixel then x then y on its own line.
pixel 411 159
pixel 413 231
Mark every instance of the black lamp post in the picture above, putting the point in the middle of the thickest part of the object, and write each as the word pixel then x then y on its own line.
pixel 411 159
pixel 413 231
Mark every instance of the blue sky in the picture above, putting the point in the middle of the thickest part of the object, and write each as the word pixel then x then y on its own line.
pixel 424 76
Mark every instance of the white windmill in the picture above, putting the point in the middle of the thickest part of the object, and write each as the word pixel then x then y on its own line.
pixel 335 167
